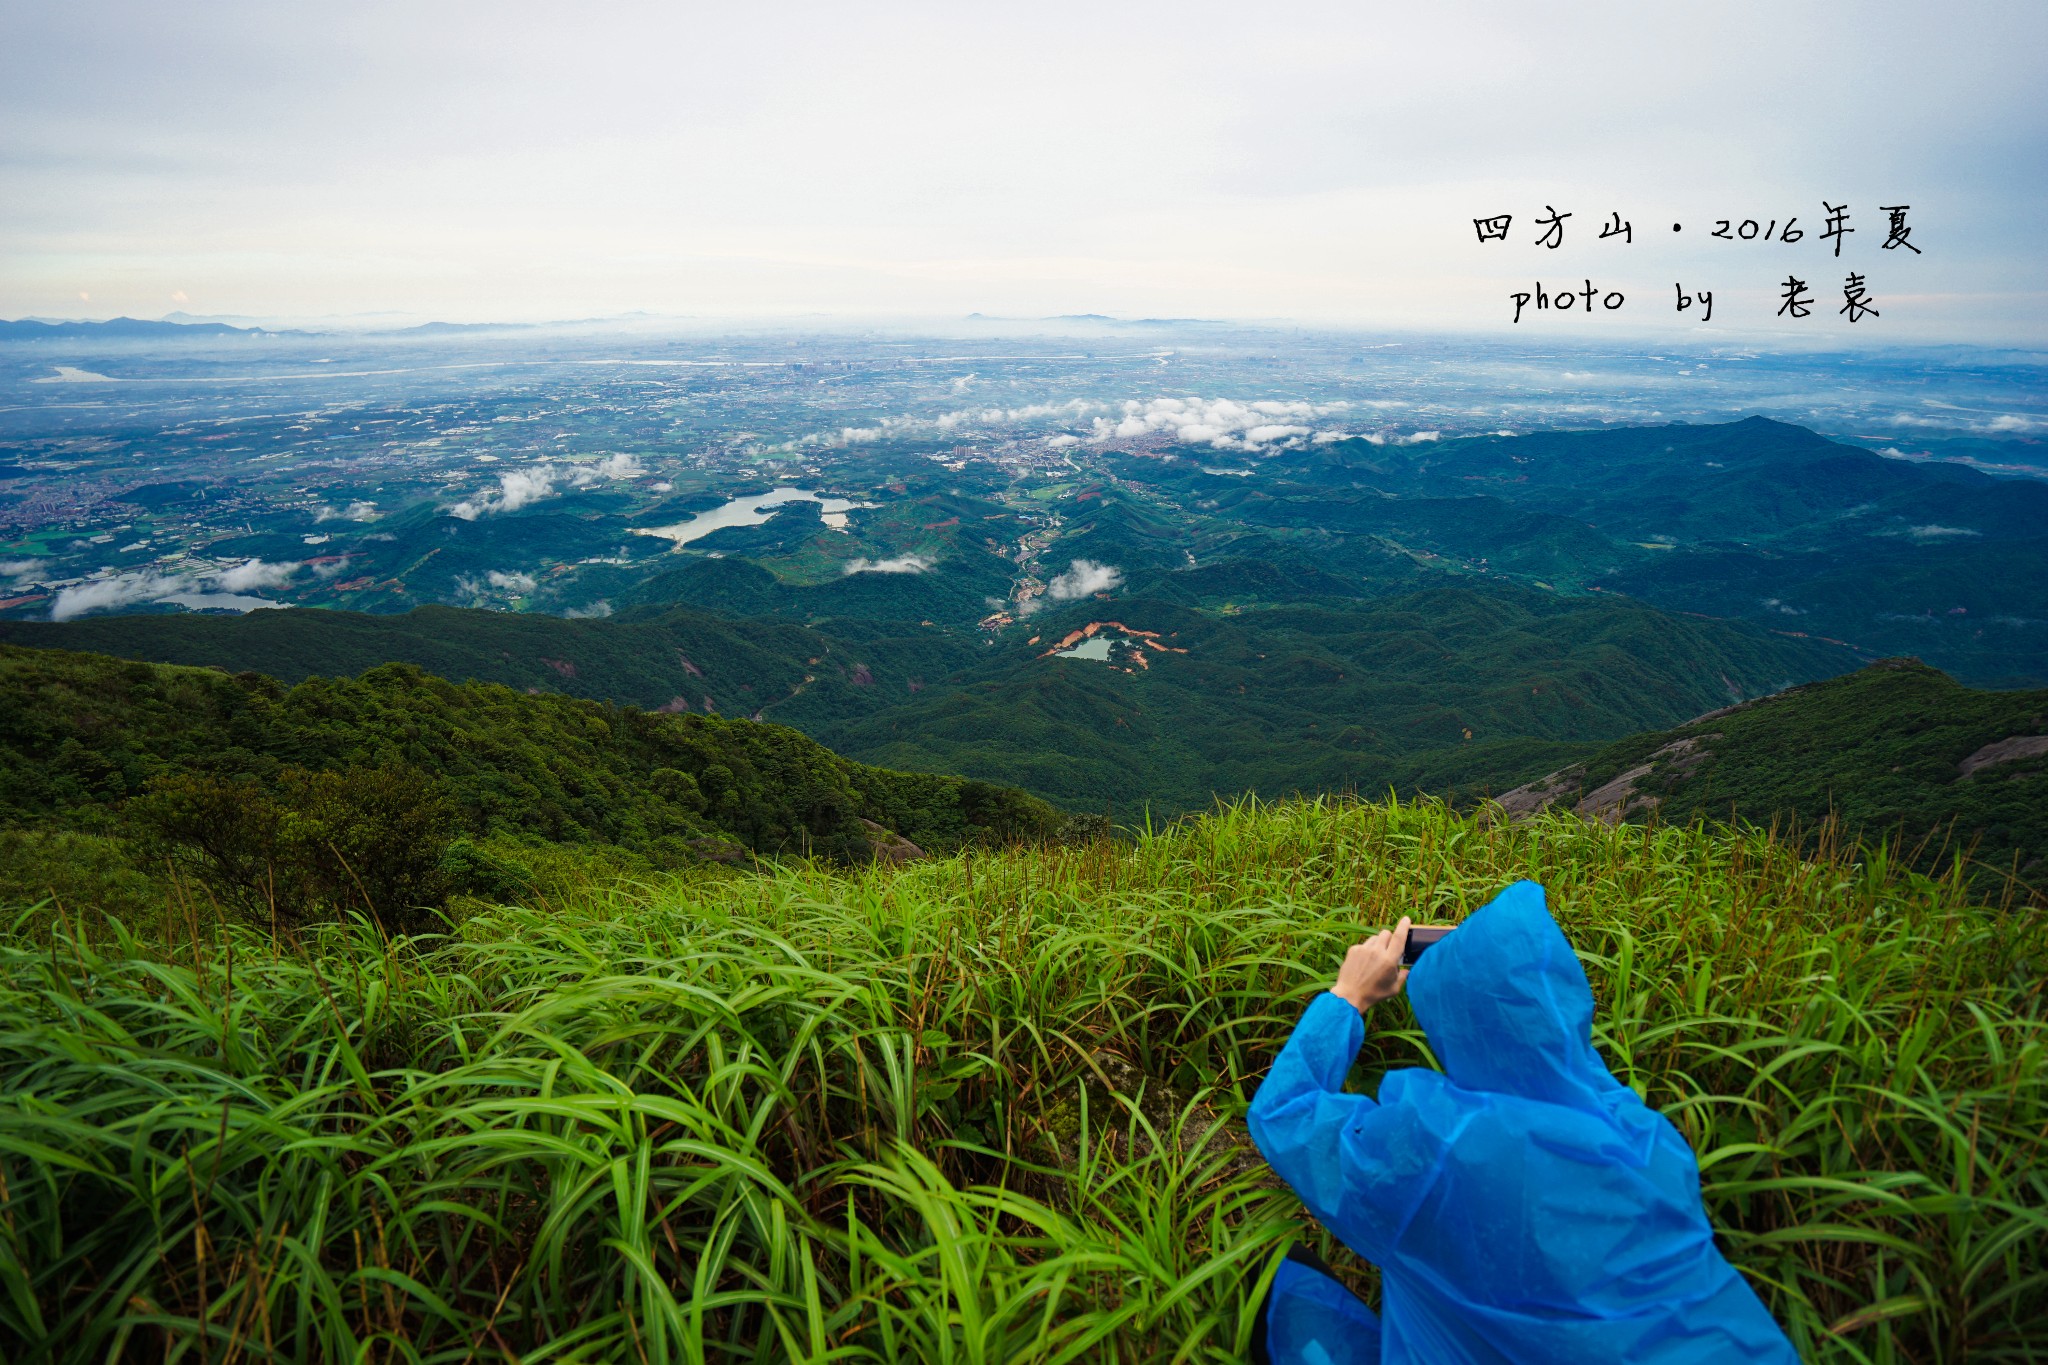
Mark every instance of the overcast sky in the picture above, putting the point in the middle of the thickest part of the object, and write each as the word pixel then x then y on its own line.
pixel 1316 162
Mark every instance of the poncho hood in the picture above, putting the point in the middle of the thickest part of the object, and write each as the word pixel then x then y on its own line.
pixel 1508 1009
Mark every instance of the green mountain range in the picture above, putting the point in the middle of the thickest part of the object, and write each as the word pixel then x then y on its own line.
pixel 1897 750
pixel 1756 520
pixel 1446 686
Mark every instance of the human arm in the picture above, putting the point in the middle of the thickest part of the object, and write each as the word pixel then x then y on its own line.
pixel 1300 1113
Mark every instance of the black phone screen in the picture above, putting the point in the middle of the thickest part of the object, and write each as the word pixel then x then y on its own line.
pixel 1420 937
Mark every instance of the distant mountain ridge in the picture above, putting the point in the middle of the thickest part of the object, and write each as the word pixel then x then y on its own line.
pixel 1756 520
pixel 32 329
pixel 1897 749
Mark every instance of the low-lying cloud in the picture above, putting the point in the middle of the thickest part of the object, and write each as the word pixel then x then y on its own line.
pixel 515 583
pixel 610 467
pixel 355 511
pixel 519 488
pixel 1221 422
pixel 902 564
pixel 252 575
pixel 1083 578
pixel 114 592
pixel 128 589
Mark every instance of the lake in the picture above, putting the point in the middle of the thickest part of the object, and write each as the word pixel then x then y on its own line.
pixel 751 511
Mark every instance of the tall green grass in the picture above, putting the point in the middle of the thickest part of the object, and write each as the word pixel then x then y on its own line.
pixel 974 1110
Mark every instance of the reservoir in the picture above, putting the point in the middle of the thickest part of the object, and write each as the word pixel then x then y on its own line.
pixel 751 511
pixel 1095 647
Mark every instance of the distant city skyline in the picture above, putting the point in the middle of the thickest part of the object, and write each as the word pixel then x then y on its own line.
pixel 1320 163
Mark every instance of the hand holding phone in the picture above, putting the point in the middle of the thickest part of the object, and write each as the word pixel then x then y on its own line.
pixel 1372 969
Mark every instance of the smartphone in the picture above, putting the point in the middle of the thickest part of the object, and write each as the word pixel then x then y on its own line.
pixel 1420 936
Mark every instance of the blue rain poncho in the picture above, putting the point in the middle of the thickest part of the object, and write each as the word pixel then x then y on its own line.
pixel 1522 1205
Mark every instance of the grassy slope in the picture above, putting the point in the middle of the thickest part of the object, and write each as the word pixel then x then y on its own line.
pixel 1877 750
pixel 950 1111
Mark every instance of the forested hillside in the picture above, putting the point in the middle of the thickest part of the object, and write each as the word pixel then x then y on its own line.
pixel 1452 686
pixel 1897 751
pixel 397 788
pixel 1757 519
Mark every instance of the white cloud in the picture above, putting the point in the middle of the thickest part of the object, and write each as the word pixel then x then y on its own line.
pixel 1272 431
pixel 515 583
pixel 253 574
pixel 995 417
pixel 355 511
pixel 517 488
pixel 905 564
pixel 610 467
pixel 1929 532
pixel 599 608
pixel 125 590
pixel 118 590
pixel 20 568
pixel 1084 576
pixel 1255 426
pixel 1219 422
pixel 887 427
pixel 521 487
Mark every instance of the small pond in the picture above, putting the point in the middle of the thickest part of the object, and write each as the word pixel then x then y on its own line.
pixel 1096 648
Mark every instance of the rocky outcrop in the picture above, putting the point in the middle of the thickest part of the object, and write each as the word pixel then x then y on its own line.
pixel 2004 751
pixel 1616 799
pixel 717 851
pixel 1612 801
pixel 888 845
pixel 1532 797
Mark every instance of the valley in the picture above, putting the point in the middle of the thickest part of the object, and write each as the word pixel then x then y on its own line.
pixel 974 558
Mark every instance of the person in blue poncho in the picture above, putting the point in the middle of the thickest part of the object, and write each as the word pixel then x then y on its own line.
pixel 1522 1205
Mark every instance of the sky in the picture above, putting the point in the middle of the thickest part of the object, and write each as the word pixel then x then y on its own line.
pixel 1320 163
